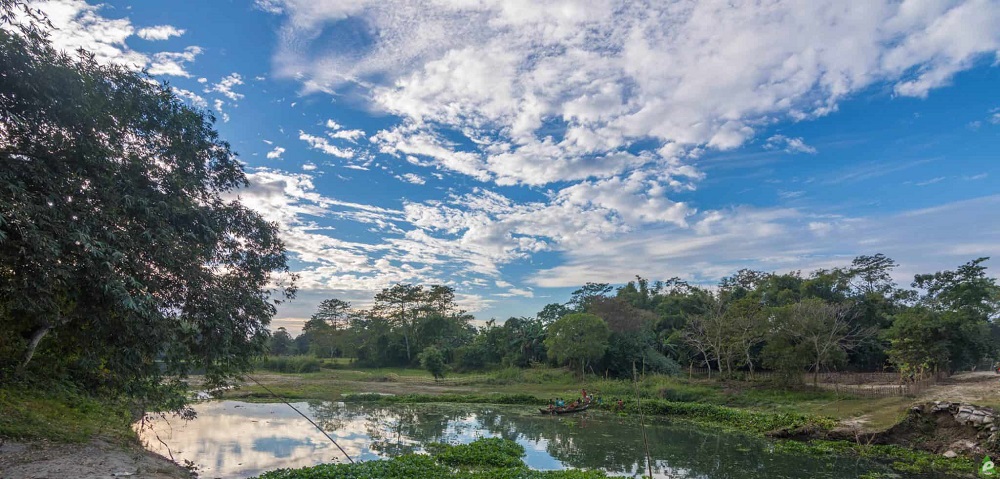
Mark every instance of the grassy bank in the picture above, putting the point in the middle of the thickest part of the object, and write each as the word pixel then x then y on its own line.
pixel 900 458
pixel 61 415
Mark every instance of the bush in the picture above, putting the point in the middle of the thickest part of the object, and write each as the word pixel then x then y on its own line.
pixel 291 364
pixel 471 357
pixel 658 363
pixel 432 359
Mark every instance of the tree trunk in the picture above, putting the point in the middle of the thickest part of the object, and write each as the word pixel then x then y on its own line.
pixel 36 337
pixel 406 339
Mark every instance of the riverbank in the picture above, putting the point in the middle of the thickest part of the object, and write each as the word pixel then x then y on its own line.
pixel 65 434
pixel 863 415
pixel 820 421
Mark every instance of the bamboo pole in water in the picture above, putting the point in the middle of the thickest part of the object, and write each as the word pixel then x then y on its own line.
pixel 348 456
pixel 642 421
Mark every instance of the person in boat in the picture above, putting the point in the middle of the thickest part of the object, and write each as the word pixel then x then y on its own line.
pixel 560 402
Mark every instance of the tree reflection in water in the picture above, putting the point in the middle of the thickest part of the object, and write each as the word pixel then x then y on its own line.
pixel 591 440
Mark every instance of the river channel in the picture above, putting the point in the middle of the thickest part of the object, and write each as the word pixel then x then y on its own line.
pixel 231 439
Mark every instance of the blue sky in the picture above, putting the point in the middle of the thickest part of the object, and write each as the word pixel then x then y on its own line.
pixel 516 150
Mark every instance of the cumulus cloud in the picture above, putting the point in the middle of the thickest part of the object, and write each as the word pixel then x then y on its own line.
pixel 570 90
pixel 324 145
pixel 173 63
pixel 77 24
pixel 225 87
pixel 353 269
pixel 159 32
pixel 190 96
pixel 785 239
pixel 412 178
pixel 275 153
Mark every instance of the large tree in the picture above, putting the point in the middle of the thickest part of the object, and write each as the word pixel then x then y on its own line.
pixel 577 339
pixel 819 333
pixel 122 253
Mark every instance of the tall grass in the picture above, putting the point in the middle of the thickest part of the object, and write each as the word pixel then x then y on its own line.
pixel 291 364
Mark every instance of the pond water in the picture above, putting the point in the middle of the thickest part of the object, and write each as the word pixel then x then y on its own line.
pixel 231 439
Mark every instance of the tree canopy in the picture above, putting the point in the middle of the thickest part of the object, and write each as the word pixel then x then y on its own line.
pixel 124 256
pixel 577 338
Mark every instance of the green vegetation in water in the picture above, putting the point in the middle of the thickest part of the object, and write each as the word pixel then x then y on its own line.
pixel 733 418
pixel 491 458
pixel 526 399
pixel 710 414
pixel 61 415
pixel 900 458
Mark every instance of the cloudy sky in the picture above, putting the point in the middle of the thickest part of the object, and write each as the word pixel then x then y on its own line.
pixel 516 149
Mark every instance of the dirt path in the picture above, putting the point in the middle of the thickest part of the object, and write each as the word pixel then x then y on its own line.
pixel 97 459
pixel 980 387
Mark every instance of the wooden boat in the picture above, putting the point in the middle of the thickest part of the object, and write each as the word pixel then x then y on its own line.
pixel 565 409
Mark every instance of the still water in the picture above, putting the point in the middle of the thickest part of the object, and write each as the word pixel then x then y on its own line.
pixel 231 439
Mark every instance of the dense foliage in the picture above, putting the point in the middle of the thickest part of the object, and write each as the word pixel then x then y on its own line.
pixel 849 318
pixel 123 257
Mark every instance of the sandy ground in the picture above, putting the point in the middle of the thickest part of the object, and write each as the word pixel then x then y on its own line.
pixel 97 459
pixel 981 387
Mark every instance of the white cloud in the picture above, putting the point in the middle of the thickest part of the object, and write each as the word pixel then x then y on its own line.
pixel 324 145
pixel 412 178
pixel 191 96
pixel 349 135
pixel 931 181
pixel 226 85
pixel 568 91
pixel 275 153
pixel 76 25
pixel 309 166
pixel 172 63
pixel 79 25
pixel 411 140
pixel 789 145
pixel 785 240
pixel 159 32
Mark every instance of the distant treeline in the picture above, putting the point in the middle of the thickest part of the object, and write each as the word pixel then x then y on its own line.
pixel 850 318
